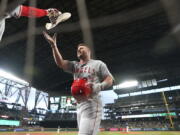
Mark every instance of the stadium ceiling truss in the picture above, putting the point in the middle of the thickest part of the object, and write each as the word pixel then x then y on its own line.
pixel 10 88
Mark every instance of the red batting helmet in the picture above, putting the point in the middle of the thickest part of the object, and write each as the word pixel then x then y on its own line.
pixel 80 89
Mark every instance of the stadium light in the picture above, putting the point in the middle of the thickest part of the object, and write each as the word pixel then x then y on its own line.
pixel 126 84
pixel 10 76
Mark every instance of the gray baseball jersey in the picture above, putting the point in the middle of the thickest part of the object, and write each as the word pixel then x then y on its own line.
pixel 89 112
pixel 94 70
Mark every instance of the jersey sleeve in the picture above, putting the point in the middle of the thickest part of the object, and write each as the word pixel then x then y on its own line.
pixel 70 67
pixel 104 71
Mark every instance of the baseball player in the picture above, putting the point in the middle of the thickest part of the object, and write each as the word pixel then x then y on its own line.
pixel 89 110
pixel 54 15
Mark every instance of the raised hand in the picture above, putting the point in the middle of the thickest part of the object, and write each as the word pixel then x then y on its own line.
pixel 51 40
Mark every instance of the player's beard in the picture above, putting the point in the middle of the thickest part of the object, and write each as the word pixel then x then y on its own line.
pixel 80 56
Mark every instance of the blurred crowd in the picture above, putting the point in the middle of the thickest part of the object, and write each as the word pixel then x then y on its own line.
pixel 13 113
pixel 136 124
pixel 60 116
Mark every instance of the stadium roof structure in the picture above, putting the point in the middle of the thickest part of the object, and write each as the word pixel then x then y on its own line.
pixel 145 102
pixel 134 38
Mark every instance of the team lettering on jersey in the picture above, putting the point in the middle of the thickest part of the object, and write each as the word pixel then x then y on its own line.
pixel 85 69
pixel 88 71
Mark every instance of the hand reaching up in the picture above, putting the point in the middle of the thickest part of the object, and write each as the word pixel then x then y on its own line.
pixel 51 40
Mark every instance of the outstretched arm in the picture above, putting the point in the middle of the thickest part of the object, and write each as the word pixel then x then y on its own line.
pixel 57 55
pixel 28 11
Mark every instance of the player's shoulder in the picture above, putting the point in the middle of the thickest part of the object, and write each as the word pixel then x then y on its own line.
pixel 74 62
pixel 97 61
